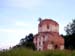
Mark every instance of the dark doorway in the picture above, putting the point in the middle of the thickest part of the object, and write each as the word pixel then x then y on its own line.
pixel 56 46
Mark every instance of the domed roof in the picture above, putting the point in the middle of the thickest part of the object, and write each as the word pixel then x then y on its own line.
pixel 48 21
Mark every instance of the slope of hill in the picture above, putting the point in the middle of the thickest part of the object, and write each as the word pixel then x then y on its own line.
pixel 29 52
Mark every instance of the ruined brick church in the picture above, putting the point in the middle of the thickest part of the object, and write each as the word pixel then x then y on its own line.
pixel 48 37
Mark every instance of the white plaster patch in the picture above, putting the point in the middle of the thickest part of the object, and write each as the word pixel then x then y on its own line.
pixel 61 47
pixel 50 46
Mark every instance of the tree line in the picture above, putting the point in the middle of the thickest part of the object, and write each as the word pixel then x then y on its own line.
pixel 70 35
pixel 26 42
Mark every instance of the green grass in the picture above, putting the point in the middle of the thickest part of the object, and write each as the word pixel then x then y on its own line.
pixel 29 52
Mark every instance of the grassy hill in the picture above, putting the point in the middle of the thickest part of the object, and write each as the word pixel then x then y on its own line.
pixel 29 52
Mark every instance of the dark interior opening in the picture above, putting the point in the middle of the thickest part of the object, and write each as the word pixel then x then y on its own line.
pixel 47 26
pixel 56 46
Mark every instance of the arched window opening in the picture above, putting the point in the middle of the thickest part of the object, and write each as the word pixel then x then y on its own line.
pixel 43 42
pixel 47 26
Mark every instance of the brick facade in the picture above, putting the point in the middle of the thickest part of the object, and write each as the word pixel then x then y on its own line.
pixel 48 37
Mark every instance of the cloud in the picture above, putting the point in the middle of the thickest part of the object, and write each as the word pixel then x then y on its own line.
pixel 6 20
pixel 11 37
pixel 22 24
pixel 23 3
pixel 7 30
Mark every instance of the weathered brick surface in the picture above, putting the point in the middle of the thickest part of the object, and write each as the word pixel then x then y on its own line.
pixel 48 37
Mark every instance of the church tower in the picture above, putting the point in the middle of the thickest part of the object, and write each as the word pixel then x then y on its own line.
pixel 48 37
